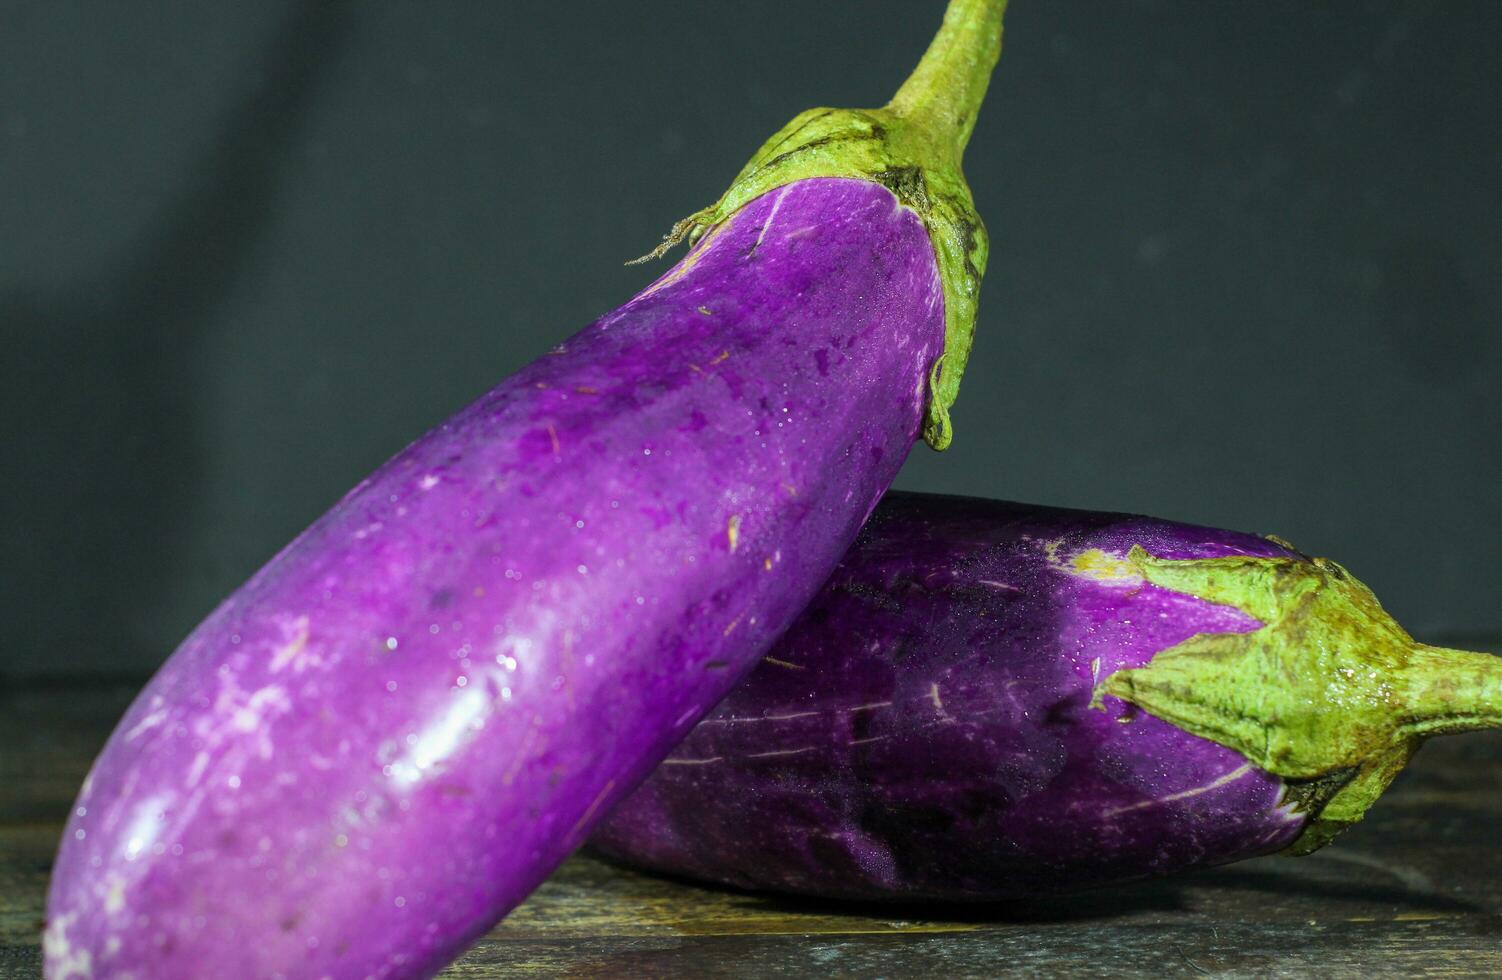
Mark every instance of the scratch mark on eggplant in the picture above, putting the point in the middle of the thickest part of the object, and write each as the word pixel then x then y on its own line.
pixel 593 806
pixel 776 203
pixel 778 752
pixel 522 754
pixel 751 718
pixel 1223 780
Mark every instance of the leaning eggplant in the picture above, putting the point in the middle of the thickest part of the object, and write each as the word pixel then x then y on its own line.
pixel 399 726
pixel 992 700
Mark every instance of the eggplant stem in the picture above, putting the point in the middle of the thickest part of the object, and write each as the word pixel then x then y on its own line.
pixel 1451 691
pixel 943 95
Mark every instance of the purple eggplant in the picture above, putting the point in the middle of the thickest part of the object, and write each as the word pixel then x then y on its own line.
pixel 398 727
pixel 992 700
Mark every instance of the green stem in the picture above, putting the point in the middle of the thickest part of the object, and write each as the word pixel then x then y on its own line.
pixel 944 93
pixel 1451 691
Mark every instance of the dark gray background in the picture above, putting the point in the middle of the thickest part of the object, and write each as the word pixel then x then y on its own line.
pixel 1244 270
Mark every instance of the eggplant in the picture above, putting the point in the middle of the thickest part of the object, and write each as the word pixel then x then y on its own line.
pixel 994 700
pixel 398 727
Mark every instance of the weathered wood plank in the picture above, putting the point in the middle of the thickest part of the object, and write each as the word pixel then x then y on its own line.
pixel 1412 949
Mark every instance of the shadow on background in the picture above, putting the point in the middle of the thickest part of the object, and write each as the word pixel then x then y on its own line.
pixel 98 395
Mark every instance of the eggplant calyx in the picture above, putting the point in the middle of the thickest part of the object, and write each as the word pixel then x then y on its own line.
pixel 1330 694
pixel 912 146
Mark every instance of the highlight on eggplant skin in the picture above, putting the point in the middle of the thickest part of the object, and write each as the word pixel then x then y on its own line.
pixel 954 716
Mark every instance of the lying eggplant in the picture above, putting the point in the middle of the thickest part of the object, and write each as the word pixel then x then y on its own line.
pixel 992 700
pixel 399 726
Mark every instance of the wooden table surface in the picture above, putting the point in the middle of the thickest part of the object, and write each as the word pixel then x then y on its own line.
pixel 1416 890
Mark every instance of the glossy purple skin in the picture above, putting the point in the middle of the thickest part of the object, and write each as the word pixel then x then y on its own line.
pixel 393 732
pixel 924 731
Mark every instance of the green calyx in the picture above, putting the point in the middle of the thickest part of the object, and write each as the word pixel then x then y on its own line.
pixel 1330 694
pixel 912 146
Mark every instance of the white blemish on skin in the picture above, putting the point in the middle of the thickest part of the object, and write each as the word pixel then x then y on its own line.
pixel 272 696
pixel 195 771
pixel 1002 586
pixel 368 530
pixel 428 482
pixel 933 695
pixel 114 895
pixel 152 720
pixel 235 713
pixel 248 717
pixel 1223 780
pixel 693 762
pixel 863 741
pixel 870 707
pixel 63 961
pixel 294 645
